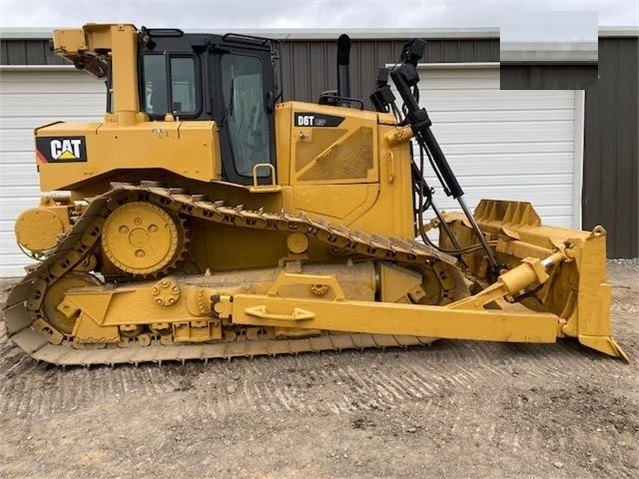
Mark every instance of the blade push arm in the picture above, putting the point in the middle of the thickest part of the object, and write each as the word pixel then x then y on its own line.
pixel 463 319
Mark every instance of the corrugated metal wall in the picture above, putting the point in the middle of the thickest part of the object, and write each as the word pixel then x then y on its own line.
pixel 310 66
pixel 547 77
pixel 611 157
pixel 27 52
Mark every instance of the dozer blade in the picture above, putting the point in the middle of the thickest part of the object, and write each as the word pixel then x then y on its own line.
pixel 576 289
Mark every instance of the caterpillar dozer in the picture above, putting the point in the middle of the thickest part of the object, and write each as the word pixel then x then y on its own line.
pixel 205 217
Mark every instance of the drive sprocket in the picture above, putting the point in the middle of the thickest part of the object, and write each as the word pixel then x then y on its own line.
pixel 142 239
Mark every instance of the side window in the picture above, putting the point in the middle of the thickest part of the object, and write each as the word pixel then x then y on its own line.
pixel 245 112
pixel 155 94
pixel 181 97
pixel 183 85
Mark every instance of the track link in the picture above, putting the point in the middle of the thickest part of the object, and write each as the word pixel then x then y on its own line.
pixel 27 325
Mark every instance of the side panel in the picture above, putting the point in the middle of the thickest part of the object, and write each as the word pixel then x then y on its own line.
pixel 331 145
pixel 334 166
pixel 392 213
pixel 188 149
pixel 340 166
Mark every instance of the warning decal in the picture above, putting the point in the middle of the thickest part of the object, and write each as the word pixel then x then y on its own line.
pixel 67 149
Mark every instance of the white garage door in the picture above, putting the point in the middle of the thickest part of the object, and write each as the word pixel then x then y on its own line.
pixel 29 99
pixel 520 145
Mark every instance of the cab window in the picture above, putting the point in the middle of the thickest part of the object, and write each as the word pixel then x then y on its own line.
pixel 170 85
pixel 155 94
pixel 245 113
pixel 183 85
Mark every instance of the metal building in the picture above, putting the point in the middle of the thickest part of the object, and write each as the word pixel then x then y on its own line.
pixel 574 155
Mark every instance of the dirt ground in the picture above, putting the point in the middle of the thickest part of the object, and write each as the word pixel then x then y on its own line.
pixel 452 410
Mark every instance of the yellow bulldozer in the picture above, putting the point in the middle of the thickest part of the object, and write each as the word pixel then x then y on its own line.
pixel 205 217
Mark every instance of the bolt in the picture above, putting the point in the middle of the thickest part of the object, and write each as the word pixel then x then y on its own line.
pixel 159 301
pixel 164 283
pixel 137 221
pixel 156 291
pixel 139 253
pixel 175 289
pixel 153 229
pixel 124 229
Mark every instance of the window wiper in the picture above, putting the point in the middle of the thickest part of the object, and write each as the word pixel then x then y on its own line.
pixel 232 99
pixel 228 109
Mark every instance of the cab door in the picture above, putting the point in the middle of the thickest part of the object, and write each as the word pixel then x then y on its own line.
pixel 242 87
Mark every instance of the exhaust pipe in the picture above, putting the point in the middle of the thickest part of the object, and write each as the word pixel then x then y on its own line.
pixel 343 60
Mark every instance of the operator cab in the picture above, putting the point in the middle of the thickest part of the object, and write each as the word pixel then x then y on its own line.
pixel 228 79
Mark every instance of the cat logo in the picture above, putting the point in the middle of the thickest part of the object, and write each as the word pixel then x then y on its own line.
pixel 61 150
pixel 65 149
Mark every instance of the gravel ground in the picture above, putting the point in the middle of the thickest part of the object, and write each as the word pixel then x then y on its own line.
pixel 455 409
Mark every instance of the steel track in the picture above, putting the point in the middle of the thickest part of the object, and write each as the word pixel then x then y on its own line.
pixel 28 328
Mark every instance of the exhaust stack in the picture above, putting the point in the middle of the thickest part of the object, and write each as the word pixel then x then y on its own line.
pixel 343 60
